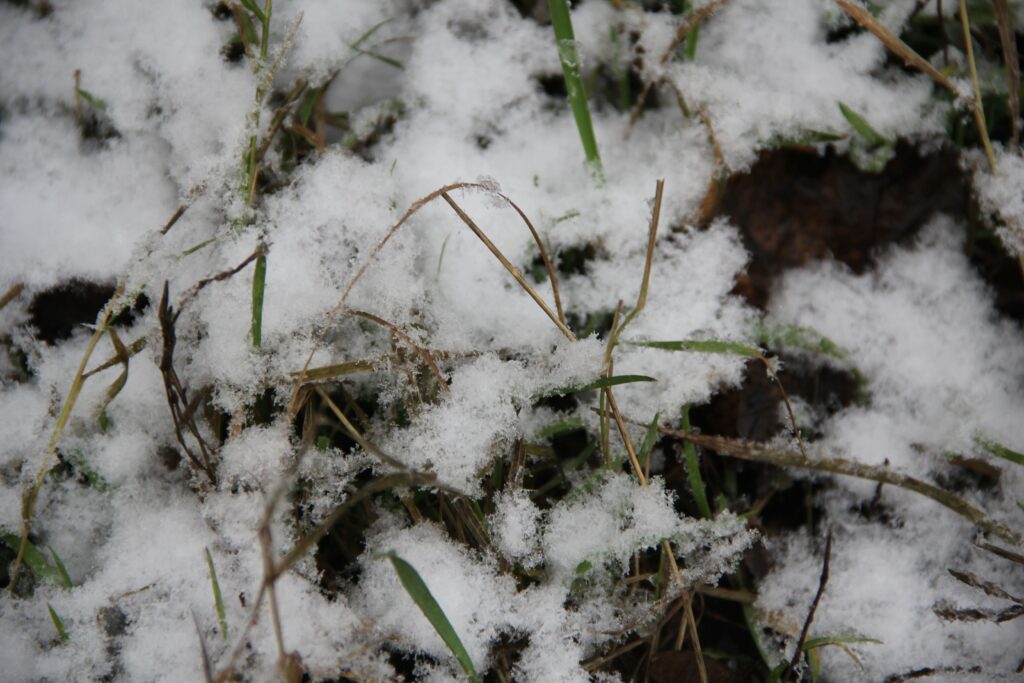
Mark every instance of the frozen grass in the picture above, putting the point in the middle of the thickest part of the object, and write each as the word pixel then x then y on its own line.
pixel 346 409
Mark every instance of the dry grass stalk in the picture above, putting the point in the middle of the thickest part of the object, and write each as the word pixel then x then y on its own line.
pixel 13 293
pixel 977 108
pixel 1012 65
pixel 31 494
pixel 755 452
pixel 822 582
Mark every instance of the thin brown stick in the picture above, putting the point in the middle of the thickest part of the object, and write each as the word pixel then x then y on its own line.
pixel 13 293
pixel 863 17
pixel 356 435
pixel 634 461
pixel 652 235
pixel 174 219
pixel 978 109
pixel 513 271
pixel 814 605
pixel 1010 62
pixel 702 670
pixel 755 452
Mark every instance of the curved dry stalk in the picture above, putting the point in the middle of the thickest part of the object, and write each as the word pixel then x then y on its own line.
pixel 31 495
pixel 293 405
pixel 356 434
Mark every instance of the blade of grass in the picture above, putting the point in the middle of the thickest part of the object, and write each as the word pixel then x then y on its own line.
pixel 218 599
pixel 703 346
pixel 863 17
pixel 33 558
pixel 1011 64
pixel 421 595
pixel 999 450
pixel 57 623
pixel 568 55
pixel 62 571
pixel 259 281
pixel 697 487
pixel 596 384
pixel 650 437
pixel 861 126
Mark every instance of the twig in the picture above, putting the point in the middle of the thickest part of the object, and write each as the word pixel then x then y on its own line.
pixel 356 435
pixel 755 452
pixel 174 219
pixel 13 293
pixel 978 109
pixel 814 605
pixel 692 623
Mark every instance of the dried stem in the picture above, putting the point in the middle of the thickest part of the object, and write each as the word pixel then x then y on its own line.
pixel 977 109
pixel 814 605
pixel 1011 64
pixel 755 452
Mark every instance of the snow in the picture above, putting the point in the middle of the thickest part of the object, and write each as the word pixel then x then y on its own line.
pixel 133 523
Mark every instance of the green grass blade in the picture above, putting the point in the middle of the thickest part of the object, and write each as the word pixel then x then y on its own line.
pixel 703 346
pixel 862 127
pixel 568 55
pixel 218 599
pixel 561 427
pixel 61 569
pixel 57 623
pixel 693 469
pixel 999 450
pixel 803 338
pixel 34 559
pixel 596 384
pixel 840 639
pixel 96 102
pixel 259 282
pixel 421 595
pixel 369 32
pixel 650 437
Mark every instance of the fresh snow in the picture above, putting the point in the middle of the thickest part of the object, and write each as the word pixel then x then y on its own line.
pixel 942 369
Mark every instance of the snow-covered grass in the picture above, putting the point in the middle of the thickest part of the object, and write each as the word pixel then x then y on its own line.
pixel 357 301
